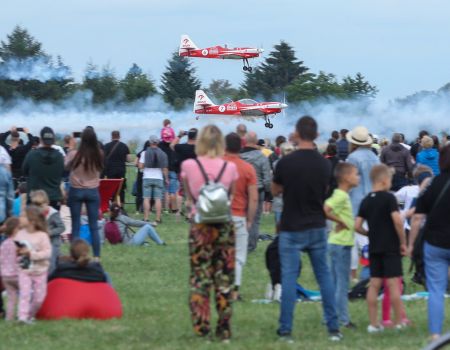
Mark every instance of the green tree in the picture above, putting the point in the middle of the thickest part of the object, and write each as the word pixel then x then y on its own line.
pixel 279 70
pixel 104 85
pixel 136 85
pixel 27 71
pixel 358 87
pixel 221 90
pixel 179 82
pixel 19 45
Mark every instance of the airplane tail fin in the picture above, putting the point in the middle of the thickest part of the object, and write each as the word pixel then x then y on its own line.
pixel 202 100
pixel 186 44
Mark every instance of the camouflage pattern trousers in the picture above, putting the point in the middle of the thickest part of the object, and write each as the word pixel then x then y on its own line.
pixel 212 255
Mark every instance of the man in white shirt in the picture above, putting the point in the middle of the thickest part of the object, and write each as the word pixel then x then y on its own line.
pixel 154 163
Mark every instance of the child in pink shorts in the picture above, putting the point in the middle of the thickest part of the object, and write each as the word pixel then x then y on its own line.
pixel 8 266
pixel 34 261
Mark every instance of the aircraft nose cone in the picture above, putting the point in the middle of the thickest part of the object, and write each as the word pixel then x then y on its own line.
pixel 283 105
pixel 260 50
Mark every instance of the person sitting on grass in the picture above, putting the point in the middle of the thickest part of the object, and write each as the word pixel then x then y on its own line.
pixel 124 224
pixel 78 266
pixel 338 208
pixel 387 244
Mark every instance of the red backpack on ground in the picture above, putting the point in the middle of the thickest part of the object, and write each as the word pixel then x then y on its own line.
pixel 112 233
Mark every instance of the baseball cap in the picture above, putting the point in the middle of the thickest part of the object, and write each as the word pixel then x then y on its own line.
pixel 154 139
pixel 47 136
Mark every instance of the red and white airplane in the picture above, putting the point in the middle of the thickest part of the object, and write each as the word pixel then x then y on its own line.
pixel 189 49
pixel 242 108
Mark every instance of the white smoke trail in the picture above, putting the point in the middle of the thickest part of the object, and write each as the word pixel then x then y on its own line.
pixel 140 120
pixel 33 68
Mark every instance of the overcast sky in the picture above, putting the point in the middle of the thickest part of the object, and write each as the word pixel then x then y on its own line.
pixel 400 46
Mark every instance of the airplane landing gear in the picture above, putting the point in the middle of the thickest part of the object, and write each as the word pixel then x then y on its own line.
pixel 268 124
pixel 197 117
pixel 247 66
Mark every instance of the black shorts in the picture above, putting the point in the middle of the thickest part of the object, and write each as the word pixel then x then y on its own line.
pixel 385 265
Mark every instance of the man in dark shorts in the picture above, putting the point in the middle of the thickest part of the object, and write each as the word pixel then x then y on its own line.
pixel 387 243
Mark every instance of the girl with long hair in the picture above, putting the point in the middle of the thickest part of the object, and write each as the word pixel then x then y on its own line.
pixel 35 250
pixel 85 166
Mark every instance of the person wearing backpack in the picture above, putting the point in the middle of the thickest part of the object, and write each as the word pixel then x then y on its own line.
pixel 209 181
pixel 433 205
pixel 119 229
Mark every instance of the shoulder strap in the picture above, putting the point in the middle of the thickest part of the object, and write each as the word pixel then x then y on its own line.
pixel 221 172
pixel 112 151
pixel 202 170
pixel 441 195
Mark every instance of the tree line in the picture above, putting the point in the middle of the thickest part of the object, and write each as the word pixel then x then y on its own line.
pixel 26 70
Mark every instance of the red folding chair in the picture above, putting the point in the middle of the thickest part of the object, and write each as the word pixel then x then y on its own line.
pixel 109 192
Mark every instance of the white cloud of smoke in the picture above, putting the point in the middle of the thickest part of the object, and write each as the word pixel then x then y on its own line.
pixel 33 68
pixel 139 120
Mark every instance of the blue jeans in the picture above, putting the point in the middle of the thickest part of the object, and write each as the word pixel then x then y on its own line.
pixel 314 242
pixel 340 266
pixel 437 261
pixel 91 198
pixel 141 235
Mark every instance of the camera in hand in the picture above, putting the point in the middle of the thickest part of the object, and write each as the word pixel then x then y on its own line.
pixel 24 261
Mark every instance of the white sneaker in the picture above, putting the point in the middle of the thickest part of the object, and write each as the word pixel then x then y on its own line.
pixel 373 329
pixel 269 292
pixel 277 293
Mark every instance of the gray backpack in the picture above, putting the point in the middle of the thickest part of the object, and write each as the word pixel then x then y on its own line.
pixel 213 202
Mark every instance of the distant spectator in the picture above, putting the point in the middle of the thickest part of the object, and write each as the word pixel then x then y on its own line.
pixel 364 159
pixel 167 132
pixel 154 164
pixel 416 147
pixel 138 184
pixel 342 145
pixel 252 154
pixel 44 168
pixel 5 158
pixel 436 143
pixel 6 194
pixel 17 150
pixel 117 154
pixel 399 158
pixel 241 130
pixel 429 155
pixel 335 135
pixel 171 189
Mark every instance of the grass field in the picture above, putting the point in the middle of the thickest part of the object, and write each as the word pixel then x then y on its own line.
pixel 152 283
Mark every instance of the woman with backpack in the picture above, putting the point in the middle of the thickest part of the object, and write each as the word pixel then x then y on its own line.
pixel 433 205
pixel 85 166
pixel 209 182
pixel 119 229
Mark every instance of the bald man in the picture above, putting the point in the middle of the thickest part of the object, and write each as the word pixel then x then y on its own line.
pixel 253 155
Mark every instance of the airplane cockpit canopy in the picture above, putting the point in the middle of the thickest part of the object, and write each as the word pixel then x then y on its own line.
pixel 247 101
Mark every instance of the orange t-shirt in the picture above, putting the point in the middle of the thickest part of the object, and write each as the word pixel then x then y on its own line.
pixel 247 177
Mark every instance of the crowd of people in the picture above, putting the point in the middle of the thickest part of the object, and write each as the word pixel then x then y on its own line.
pixel 356 199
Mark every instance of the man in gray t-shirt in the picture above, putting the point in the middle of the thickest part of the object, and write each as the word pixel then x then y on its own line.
pixel 154 164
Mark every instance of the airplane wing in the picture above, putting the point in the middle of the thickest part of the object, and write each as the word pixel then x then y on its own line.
pixel 231 55
pixel 251 112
